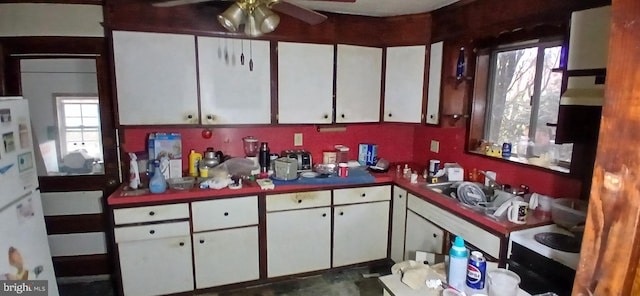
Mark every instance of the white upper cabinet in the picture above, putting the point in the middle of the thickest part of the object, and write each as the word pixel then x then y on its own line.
pixel 358 80
pixel 155 78
pixel 589 39
pixel 305 83
pixel 230 93
pixel 404 84
pixel 435 79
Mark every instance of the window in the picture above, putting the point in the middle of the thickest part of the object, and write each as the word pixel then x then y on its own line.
pixel 79 125
pixel 523 96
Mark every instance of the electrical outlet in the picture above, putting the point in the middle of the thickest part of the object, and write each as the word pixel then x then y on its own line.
pixel 297 139
pixel 435 146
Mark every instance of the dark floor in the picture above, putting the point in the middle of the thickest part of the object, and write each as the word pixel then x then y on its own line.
pixel 348 282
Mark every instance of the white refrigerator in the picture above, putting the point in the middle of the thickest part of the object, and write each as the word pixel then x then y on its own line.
pixel 24 248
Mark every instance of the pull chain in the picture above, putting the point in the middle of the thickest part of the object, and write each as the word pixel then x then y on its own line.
pixel 250 55
pixel 242 52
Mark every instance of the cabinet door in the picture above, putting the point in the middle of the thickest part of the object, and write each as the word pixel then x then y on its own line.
pixel 404 84
pixel 305 83
pixel 298 241
pixel 231 93
pixel 398 219
pixel 360 233
pixel 155 78
pixel 156 267
pixel 422 235
pixel 435 77
pixel 358 80
pixel 226 256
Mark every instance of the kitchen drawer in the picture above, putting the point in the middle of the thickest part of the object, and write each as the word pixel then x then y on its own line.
pixel 361 194
pixel 151 213
pixel 475 235
pixel 224 213
pixel 152 231
pixel 298 200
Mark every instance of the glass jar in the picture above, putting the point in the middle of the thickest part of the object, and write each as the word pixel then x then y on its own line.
pixel 521 147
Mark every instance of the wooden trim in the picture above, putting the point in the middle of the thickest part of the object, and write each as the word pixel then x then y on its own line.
pixel 274 83
pixel 82 265
pixel 383 84
pixel 262 235
pixel 478 102
pixel 586 72
pixel 75 224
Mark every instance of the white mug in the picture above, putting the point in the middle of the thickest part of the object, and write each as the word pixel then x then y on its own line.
pixel 517 212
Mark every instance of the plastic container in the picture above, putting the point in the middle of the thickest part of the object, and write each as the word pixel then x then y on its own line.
pixel 194 162
pixel 458 260
pixel 184 183
pixel 568 212
pixel 503 282
pixel 157 184
pixel 342 153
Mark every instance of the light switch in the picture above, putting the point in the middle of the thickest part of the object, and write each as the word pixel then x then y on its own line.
pixel 435 146
pixel 297 139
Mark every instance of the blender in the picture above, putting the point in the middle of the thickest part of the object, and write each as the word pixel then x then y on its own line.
pixel 251 149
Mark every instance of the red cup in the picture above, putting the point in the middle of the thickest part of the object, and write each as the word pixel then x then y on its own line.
pixel 343 170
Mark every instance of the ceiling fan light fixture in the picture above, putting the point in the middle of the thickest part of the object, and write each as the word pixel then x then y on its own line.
pixel 266 19
pixel 232 18
pixel 250 27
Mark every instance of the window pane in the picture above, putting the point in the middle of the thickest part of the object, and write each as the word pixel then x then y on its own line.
pixel 90 110
pixel 513 78
pixel 74 136
pixel 89 135
pixel 91 121
pixel 72 110
pixel 73 121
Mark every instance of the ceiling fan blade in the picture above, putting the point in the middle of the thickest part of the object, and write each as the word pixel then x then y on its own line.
pixel 306 15
pixel 171 3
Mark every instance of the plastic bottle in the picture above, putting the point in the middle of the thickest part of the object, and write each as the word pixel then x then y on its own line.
pixel 157 184
pixel 458 260
pixel 194 162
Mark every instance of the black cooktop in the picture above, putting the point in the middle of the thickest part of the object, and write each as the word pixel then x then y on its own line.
pixel 559 241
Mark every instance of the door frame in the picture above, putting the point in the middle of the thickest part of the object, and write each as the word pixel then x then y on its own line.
pixel 15 49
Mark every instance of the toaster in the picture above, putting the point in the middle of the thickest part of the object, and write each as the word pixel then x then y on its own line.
pixel 305 161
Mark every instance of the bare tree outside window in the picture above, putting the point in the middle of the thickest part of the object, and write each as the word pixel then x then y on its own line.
pixel 524 96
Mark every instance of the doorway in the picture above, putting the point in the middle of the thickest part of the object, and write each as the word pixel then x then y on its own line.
pixel 66 81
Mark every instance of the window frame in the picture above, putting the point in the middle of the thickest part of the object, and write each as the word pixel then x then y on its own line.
pixel 480 97
pixel 62 129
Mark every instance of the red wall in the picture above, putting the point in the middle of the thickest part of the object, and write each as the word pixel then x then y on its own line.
pixel 395 141
pixel 452 145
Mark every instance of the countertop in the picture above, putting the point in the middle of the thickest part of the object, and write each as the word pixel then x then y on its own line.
pixel 117 199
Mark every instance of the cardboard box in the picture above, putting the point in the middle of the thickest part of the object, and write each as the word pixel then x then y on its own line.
pixel 367 154
pixel 163 144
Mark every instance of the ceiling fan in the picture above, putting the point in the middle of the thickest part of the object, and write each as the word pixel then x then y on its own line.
pixel 257 16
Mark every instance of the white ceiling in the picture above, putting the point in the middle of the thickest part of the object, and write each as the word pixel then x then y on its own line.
pixel 378 8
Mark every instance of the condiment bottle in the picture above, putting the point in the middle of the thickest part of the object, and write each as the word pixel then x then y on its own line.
pixel 194 162
pixel 263 157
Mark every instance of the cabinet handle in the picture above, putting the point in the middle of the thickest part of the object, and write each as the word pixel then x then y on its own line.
pixel 363 195
pixel 399 195
pixel 226 213
pixel 326 116
pixel 390 114
pixel 435 235
pixel 341 213
pixel 152 231
pixel 342 115
pixel 189 116
pixel 431 116
pixel 202 241
pixel 324 214
pixel 182 244
pixel 210 117
pixel 152 213
pixel 299 201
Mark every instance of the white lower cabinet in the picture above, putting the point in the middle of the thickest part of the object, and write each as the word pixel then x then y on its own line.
pixel 226 256
pixel 398 217
pixel 360 233
pixel 156 266
pixel 298 241
pixel 422 235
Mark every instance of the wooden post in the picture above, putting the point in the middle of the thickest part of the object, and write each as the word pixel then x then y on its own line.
pixel 611 246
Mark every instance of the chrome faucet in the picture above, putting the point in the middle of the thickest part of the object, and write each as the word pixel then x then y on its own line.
pixel 520 191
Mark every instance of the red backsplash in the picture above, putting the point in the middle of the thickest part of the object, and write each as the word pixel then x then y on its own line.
pixel 452 146
pixel 395 141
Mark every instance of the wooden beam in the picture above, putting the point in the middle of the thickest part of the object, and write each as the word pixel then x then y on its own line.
pixel 610 252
